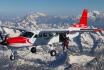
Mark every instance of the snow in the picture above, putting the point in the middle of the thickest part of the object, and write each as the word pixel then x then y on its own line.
pixel 42 59
pixel 12 32
pixel 80 59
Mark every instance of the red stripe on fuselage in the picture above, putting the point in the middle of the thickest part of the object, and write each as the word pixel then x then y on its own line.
pixel 19 39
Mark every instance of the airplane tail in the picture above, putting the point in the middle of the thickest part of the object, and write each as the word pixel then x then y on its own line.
pixel 83 23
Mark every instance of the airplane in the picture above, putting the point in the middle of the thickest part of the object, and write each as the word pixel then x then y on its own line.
pixel 47 36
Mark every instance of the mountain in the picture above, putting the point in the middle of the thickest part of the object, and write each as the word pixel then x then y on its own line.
pixel 89 42
pixel 96 19
pixel 42 20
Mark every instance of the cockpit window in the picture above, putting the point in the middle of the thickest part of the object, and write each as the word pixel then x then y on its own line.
pixel 27 34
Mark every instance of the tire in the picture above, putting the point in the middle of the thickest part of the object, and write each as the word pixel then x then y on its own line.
pixel 53 53
pixel 33 49
pixel 12 57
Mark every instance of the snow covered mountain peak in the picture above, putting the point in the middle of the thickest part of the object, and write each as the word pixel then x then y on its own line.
pixel 96 12
pixel 93 14
pixel 36 15
pixel 40 14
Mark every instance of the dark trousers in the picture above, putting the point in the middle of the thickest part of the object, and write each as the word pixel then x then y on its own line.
pixel 65 46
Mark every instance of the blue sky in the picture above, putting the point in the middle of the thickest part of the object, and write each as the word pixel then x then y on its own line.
pixel 51 7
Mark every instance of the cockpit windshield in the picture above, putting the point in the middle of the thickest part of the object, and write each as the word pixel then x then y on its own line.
pixel 27 34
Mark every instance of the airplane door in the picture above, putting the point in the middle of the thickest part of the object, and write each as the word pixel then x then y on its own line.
pixel 62 37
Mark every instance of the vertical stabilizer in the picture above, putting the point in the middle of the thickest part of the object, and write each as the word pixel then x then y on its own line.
pixel 84 18
pixel 83 23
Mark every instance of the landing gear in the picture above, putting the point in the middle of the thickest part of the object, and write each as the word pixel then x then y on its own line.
pixel 33 49
pixel 12 57
pixel 53 52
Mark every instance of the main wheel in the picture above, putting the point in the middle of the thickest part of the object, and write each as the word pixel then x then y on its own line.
pixel 33 49
pixel 52 52
pixel 12 57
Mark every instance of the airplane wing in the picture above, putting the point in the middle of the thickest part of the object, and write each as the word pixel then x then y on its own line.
pixel 70 31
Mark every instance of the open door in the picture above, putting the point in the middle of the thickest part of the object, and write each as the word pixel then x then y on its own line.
pixel 62 37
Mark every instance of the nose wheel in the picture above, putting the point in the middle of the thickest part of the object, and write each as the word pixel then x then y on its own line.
pixel 33 49
pixel 12 57
pixel 53 52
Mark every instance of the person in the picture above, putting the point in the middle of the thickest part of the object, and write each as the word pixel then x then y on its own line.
pixel 65 43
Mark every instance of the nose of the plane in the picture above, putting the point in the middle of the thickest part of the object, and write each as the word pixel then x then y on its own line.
pixel 19 39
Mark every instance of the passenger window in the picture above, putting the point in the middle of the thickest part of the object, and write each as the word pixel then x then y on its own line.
pixel 44 34
pixel 50 35
pixel 40 35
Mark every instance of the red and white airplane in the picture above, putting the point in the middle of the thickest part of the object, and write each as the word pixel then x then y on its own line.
pixel 48 36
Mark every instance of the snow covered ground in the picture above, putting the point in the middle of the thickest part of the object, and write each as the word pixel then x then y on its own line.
pixel 42 60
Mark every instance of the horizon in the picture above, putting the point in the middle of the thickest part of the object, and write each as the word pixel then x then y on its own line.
pixel 19 8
